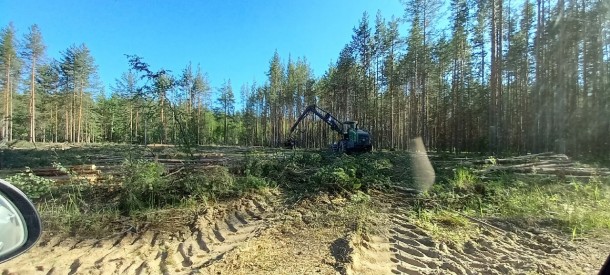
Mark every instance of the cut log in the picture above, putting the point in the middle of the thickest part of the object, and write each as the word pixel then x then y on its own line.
pixel 67 179
pixel 543 176
pixel 83 168
pixel 523 160
pixel 562 171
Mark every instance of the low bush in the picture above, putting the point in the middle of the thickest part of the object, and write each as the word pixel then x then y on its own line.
pixel 251 182
pixel 257 165
pixel 144 186
pixel 338 178
pixel 217 181
pixel 33 186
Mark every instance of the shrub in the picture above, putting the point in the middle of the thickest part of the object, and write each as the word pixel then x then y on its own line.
pixel 213 182
pixel 252 183
pixel 259 166
pixel 192 185
pixel 218 181
pixel 33 186
pixel 144 186
pixel 307 159
pixel 375 172
pixel 338 178
pixel 352 173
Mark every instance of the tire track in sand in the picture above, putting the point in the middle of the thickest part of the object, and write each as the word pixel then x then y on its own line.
pixel 206 240
pixel 408 249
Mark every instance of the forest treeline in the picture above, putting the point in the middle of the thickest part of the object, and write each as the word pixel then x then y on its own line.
pixel 487 76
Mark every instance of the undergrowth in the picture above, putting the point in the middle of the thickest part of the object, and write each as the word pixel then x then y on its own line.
pixel 144 190
pixel 574 207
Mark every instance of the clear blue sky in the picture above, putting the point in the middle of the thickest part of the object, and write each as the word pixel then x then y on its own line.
pixel 230 39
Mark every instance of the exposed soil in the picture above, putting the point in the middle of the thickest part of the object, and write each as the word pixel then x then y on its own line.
pixel 262 235
pixel 404 248
pixel 188 250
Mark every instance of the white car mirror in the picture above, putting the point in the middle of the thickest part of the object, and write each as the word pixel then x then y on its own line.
pixel 20 225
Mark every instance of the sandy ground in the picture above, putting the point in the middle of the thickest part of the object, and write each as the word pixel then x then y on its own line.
pixel 264 236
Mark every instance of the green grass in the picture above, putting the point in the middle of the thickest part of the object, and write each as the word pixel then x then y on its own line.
pixel 574 207
pixel 464 179
pixel 73 210
pixel 145 191
pixel 445 225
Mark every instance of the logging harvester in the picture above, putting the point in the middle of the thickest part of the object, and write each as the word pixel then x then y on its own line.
pixel 352 139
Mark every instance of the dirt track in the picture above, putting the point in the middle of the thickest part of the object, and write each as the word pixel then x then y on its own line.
pixel 184 251
pixel 234 240
pixel 413 251
pixel 504 248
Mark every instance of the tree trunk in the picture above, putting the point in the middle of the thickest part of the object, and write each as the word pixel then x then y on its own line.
pixel 33 103
pixel 80 114
pixel 5 124
pixel 130 123
pixel 67 134
pixel 56 136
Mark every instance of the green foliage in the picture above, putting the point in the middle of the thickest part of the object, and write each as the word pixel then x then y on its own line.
pixel 251 182
pixel 307 158
pixel 258 165
pixel 144 186
pixel 218 181
pixel 576 206
pixel 464 180
pixel 338 178
pixel 352 173
pixel 33 186
pixel 192 186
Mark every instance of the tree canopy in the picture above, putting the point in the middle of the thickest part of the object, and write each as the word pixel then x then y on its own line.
pixel 500 77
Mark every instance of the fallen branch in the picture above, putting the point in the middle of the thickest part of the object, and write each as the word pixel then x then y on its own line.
pixel 175 172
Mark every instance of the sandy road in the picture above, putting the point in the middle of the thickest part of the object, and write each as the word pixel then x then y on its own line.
pixel 250 227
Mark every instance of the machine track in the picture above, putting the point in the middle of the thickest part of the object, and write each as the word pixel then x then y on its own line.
pixel 407 249
pixel 205 242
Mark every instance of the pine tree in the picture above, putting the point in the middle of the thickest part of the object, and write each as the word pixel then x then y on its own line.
pixel 126 87
pixel 34 51
pixel 162 85
pixel 226 102
pixel 201 88
pixel 460 73
pixel 77 71
pixel 48 84
pixel 362 46
pixel 274 97
pixel 10 65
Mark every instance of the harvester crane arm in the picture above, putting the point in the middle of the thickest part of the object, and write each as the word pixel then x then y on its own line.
pixel 352 138
pixel 325 116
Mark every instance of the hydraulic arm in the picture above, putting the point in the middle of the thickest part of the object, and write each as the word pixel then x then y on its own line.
pixel 329 119
pixel 352 138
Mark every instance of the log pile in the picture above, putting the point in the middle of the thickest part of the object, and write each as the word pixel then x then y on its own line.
pixel 539 165
pixel 206 159
pixel 89 173
pixel 104 168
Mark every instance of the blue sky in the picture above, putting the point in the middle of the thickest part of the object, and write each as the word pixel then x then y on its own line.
pixel 229 39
